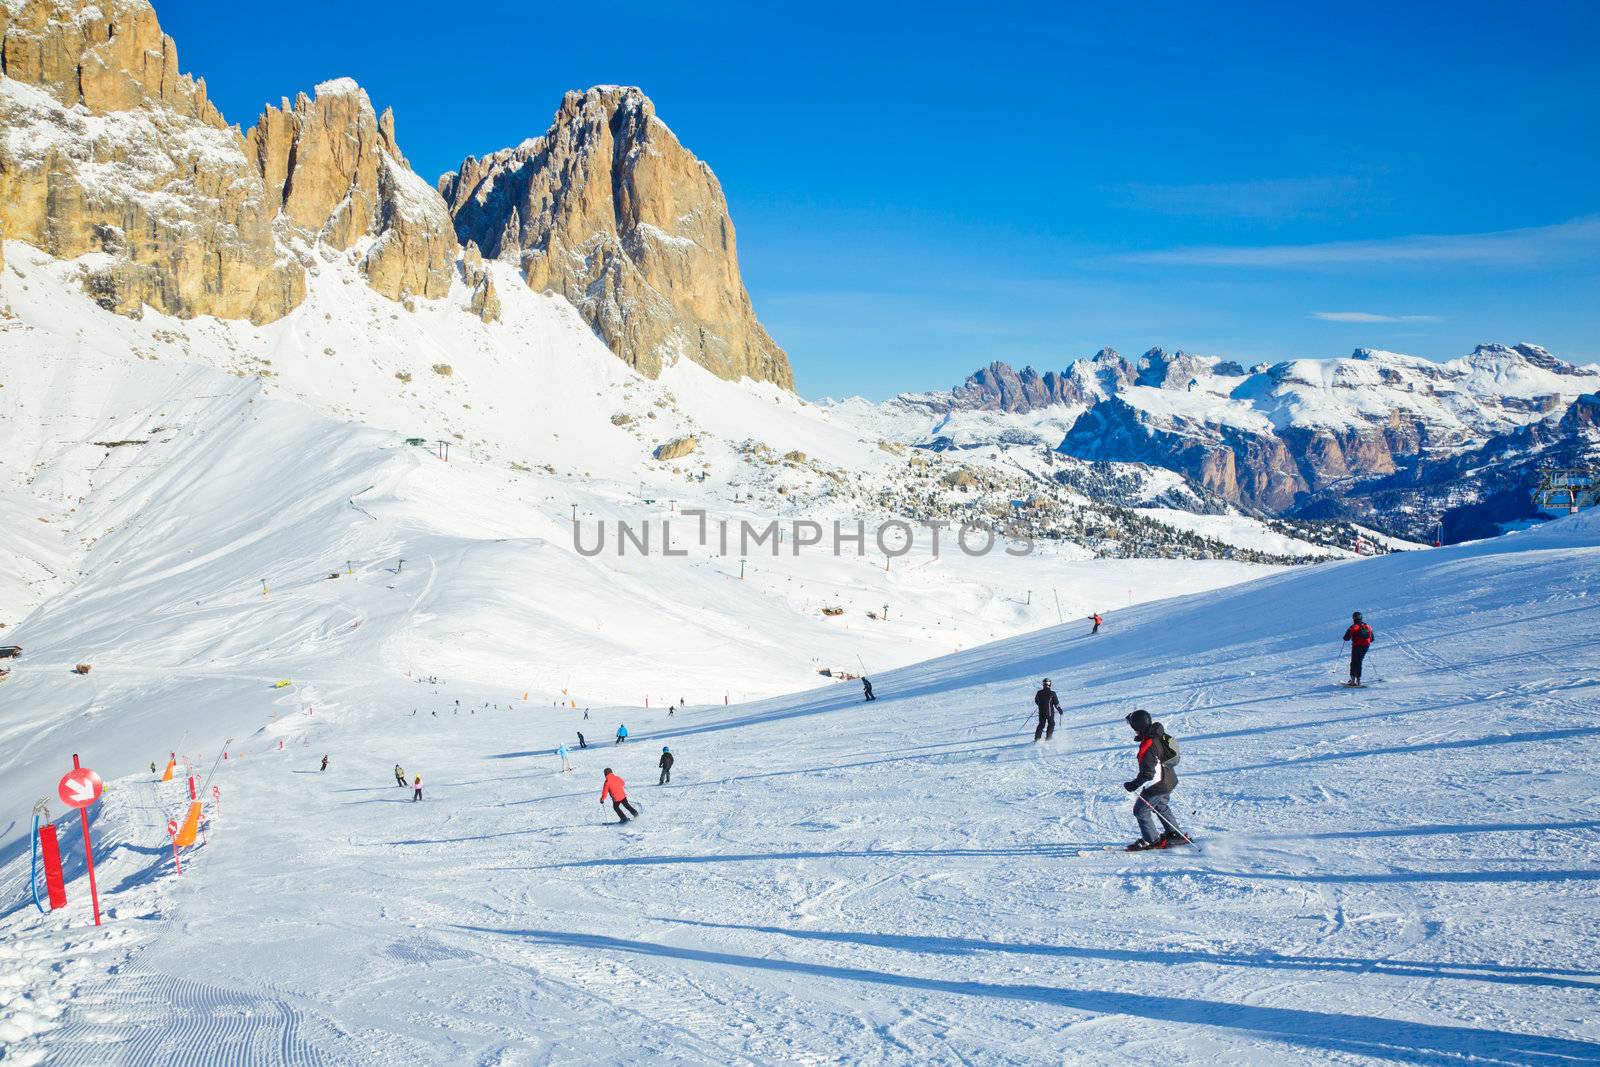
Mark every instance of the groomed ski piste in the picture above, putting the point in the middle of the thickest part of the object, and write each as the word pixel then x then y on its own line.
pixel 1401 873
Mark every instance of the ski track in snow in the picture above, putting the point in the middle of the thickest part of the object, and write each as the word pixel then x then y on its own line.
pixel 1399 873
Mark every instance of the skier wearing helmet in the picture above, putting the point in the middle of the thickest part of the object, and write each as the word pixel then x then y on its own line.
pixel 1360 637
pixel 1049 707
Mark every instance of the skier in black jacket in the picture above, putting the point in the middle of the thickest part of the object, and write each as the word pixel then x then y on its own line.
pixel 665 763
pixel 866 688
pixel 1157 827
pixel 1049 707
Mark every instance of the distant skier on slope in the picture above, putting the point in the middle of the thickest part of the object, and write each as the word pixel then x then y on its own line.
pixel 866 688
pixel 665 763
pixel 1095 618
pixel 566 760
pixel 399 776
pixel 616 790
pixel 416 789
pixel 1360 637
pixel 324 762
pixel 581 742
pixel 622 734
pixel 1049 706
pixel 1157 828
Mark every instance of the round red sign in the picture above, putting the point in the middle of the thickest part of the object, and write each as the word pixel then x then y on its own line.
pixel 79 788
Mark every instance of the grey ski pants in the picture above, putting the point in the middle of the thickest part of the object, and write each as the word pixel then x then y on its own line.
pixel 1150 825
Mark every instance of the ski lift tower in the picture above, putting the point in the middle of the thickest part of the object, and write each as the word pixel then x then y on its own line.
pixel 1568 488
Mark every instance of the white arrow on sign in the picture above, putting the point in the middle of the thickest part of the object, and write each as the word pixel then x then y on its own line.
pixel 80 790
pixel 172 827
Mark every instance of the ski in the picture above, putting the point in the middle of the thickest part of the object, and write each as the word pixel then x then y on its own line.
pixel 1124 848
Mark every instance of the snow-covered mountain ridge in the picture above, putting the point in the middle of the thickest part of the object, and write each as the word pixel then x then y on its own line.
pixel 1364 436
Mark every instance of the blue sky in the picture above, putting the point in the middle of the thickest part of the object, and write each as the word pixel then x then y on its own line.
pixel 921 189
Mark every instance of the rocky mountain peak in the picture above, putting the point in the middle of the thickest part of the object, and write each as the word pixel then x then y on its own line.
pixel 109 148
pixel 608 209
pixel 1529 355
pixel 334 173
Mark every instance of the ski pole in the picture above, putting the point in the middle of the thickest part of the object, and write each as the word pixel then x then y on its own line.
pixel 1166 820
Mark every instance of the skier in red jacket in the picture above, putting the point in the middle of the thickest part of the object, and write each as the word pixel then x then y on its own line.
pixel 1360 637
pixel 617 791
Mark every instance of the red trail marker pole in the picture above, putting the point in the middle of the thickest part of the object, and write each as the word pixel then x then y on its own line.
pixel 79 788
pixel 172 832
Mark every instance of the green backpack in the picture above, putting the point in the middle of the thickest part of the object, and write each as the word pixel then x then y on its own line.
pixel 1170 745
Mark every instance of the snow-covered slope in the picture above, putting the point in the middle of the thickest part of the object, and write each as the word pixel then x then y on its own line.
pixel 1401 873
pixel 158 474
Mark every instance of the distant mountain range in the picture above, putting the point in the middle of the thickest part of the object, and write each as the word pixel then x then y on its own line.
pixel 1393 441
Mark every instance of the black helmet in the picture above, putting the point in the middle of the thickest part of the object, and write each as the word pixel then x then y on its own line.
pixel 1139 720
pixel 1047 683
pixel 1356 615
pixel 608 770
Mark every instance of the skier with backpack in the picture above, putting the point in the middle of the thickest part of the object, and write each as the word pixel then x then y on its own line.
pixel 665 763
pixel 1158 755
pixel 1360 637
pixel 616 790
pixel 1049 707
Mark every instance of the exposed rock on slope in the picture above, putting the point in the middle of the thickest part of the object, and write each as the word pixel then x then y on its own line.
pixel 108 148
pixel 609 210
pixel 333 170
pixel 485 302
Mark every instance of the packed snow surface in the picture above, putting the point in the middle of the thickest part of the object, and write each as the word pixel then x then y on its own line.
pixel 1399 873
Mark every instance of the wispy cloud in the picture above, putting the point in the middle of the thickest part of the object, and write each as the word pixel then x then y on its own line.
pixel 1268 198
pixel 1369 316
pixel 1532 246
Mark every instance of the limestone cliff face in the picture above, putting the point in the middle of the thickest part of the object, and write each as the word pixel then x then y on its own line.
pixel 485 302
pixel 108 148
pixel 333 171
pixel 611 211
pixel 105 147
